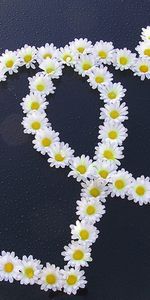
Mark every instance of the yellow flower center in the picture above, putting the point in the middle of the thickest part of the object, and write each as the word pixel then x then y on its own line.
pixel 84 234
pixel 114 114
pixel 67 57
pixel 59 157
pixel 40 87
pixel 81 169
pixel 95 192
pixel 29 272
pixel 86 66
pixel 46 142
pixel 108 154
pixel 112 134
pixel 36 125
pixel 47 55
pixel 27 58
pixel 71 279
pixel 123 60
pixel 103 173
pixel 81 49
pixel 78 255
pixel 51 279
pixel 140 190
pixel 147 51
pixel 8 267
pixel 143 68
pixel 119 184
pixel 99 79
pixel 102 54
pixel 112 95
pixel 35 105
pixel 9 63
pixel 90 210
pixel 49 70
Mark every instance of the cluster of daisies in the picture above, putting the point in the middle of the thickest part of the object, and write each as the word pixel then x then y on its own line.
pixel 99 177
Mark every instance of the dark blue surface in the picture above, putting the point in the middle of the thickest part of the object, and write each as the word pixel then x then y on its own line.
pixel 37 203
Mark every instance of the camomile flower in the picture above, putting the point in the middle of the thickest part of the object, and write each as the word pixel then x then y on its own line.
pixel 84 232
pixel 34 121
pixel 47 51
pixel 112 92
pixel 84 64
pixel 144 49
pixel 99 76
pixel 27 55
pixel 109 151
pixel 81 46
pixel 51 67
pixel 10 61
pixel 50 278
pixel 73 279
pixel 60 155
pixel 44 139
pixel 81 167
pixel 102 170
pixel 120 183
pixel 145 35
pixel 29 270
pixel 95 189
pixel 123 59
pixel 112 131
pixel 142 68
pixel 89 209
pixel 139 190
pixel 42 84
pixel 34 102
pixel 9 266
pixel 77 254
pixel 117 112
pixel 67 56
pixel 103 51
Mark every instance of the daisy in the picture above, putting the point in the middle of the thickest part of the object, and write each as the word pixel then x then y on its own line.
pixel 145 35
pixel 116 112
pixel 91 210
pixel 42 84
pixel 77 254
pixel 33 102
pixel 103 51
pixel 81 46
pixel 84 232
pixel 102 170
pixel 44 139
pixel 139 190
pixel 27 55
pixel 10 62
pixel 120 183
pixel 81 167
pixel 60 155
pixel 29 270
pixel 73 279
pixel 99 76
pixel 50 278
pixel 112 131
pixel 144 49
pixel 95 189
pixel 109 151
pixel 123 59
pixel 112 92
pixel 47 51
pixel 67 56
pixel 9 266
pixel 84 64
pixel 51 67
pixel 142 68
pixel 34 121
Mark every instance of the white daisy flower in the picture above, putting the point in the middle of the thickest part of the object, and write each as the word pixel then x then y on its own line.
pixel 102 170
pixel 73 279
pixel 34 102
pixel 112 131
pixel 44 139
pixel 84 232
pixel 99 76
pixel 67 56
pixel 95 189
pixel 109 151
pixel 139 190
pixel 34 121
pixel 27 55
pixel 112 92
pixel 81 46
pixel 50 278
pixel 120 183
pixel 84 64
pixel 42 84
pixel 103 51
pixel 10 62
pixel 47 51
pixel 123 59
pixel 91 210
pixel 116 112
pixel 142 68
pixel 77 254
pixel 144 49
pixel 51 67
pixel 60 155
pixel 9 266
pixel 81 167
pixel 145 35
pixel 29 270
